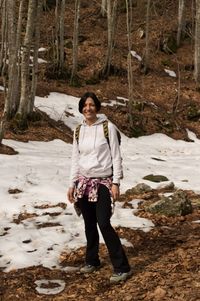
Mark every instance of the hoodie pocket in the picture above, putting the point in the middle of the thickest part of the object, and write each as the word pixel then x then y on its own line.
pixel 89 162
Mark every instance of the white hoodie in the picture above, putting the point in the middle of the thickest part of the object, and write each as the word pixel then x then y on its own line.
pixel 92 157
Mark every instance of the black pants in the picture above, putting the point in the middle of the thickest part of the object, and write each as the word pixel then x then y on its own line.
pixel 99 213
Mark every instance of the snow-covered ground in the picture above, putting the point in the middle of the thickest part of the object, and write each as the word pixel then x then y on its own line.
pixel 41 172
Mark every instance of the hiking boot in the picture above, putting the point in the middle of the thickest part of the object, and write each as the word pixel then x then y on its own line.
pixel 119 277
pixel 88 268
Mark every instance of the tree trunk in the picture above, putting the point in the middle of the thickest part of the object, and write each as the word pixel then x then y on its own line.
pixel 129 61
pixel 197 46
pixel 35 56
pixel 61 46
pixel 103 7
pixel 146 56
pixel 75 40
pixel 59 33
pixel 12 59
pixel 16 87
pixel 3 33
pixel 111 20
pixel 25 66
pixel 180 20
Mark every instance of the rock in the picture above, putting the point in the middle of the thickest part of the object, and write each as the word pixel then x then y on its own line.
pixel 138 189
pixel 196 202
pixel 141 188
pixel 177 204
pixel 168 186
pixel 155 178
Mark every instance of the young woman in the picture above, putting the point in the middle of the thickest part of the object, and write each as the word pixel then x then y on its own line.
pixel 95 177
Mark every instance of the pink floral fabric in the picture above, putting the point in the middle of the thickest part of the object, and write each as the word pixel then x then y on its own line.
pixel 89 186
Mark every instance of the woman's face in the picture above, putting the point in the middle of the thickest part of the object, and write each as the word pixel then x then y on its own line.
pixel 89 110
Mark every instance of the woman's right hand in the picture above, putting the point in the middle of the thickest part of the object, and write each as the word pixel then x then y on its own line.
pixel 70 194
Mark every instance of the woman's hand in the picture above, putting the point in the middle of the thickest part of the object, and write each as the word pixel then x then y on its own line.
pixel 115 192
pixel 70 194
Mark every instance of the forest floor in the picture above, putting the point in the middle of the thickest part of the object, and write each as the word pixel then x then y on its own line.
pixel 165 264
pixel 166 260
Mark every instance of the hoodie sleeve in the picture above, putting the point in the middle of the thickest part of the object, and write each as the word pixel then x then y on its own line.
pixel 74 163
pixel 115 153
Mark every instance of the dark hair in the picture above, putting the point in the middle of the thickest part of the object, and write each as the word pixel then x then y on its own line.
pixel 84 98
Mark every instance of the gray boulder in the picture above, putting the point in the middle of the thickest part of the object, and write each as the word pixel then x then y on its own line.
pixel 177 204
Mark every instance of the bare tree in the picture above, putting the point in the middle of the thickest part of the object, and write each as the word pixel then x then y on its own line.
pixel 19 91
pixel 111 21
pixel 25 63
pixel 129 60
pixel 146 55
pixel 10 53
pixel 75 40
pixel 35 55
pixel 17 75
pixel 197 45
pixel 59 33
pixel 3 33
pixel 180 20
pixel 10 106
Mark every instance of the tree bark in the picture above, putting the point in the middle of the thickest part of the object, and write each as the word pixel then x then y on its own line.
pixel 103 7
pixel 111 21
pixel 75 40
pixel 180 20
pixel 12 59
pixel 35 56
pixel 146 56
pixel 62 19
pixel 25 66
pixel 3 34
pixel 16 87
pixel 129 61
pixel 197 46
pixel 59 33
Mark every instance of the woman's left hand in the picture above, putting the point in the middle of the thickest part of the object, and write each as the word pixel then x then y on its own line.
pixel 115 192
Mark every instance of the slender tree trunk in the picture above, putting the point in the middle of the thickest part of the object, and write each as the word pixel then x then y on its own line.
pixel 197 46
pixel 103 7
pixel 59 33
pixel 3 33
pixel 25 69
pixel 111 20
pixel 61 30
pixel 180 20
pixel 75 40
pixel 12 59
pixel 35 56
pixel 16 86
pixel 146 56
pixel 129 61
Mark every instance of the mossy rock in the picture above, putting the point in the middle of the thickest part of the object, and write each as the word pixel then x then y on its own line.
pixel 176 205
pixel 193 113
pixel 155 178
pixel 168 44
pixel 139 188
